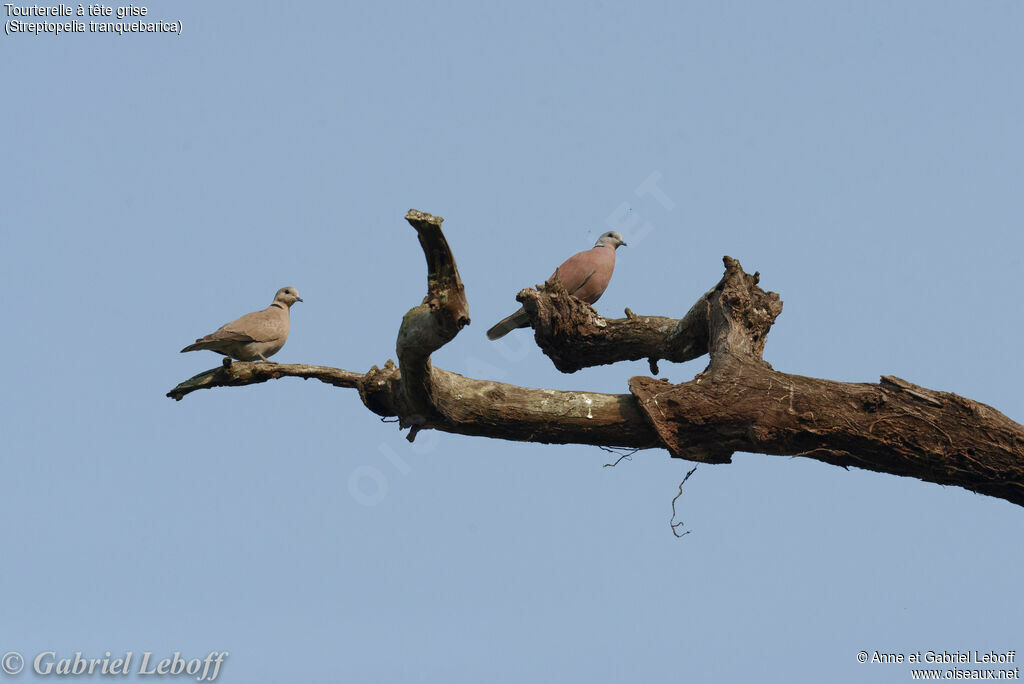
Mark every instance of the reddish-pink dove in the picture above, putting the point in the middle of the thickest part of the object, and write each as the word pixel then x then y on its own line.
pixel 585 275
pixel 254 336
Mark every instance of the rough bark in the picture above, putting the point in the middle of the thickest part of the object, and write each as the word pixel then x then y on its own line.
pixel 430 325
pixel 574 336
pixel 890 427
pixel 236 374
pixel 739 403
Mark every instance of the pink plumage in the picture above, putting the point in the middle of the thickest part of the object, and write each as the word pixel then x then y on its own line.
pixel 584 275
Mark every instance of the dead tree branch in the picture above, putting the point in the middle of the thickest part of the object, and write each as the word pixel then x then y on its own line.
pixel 574 336
pixel 248 373
pixel 739 403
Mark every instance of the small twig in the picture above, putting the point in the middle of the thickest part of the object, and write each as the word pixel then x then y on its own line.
pixel 628 455
pixel 676 525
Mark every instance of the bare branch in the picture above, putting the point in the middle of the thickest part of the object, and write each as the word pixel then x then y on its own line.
pixel 235 374
pixel 467 406
pixel 739 403
pixel 574 336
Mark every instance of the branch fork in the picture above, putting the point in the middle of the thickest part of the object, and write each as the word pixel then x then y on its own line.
pixel 738 403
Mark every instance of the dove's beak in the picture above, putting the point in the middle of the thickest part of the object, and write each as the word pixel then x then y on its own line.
pixel 298 299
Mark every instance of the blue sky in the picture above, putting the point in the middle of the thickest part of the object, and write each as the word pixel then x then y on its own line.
pixel 866 158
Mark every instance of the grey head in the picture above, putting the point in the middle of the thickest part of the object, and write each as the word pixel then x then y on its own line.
pixel 286 296
pixel 611 239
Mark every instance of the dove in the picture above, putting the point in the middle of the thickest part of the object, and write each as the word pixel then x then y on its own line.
pixel 585 275
pixel 254 336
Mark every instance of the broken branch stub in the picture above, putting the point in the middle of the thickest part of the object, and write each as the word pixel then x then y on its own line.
pixel 430 325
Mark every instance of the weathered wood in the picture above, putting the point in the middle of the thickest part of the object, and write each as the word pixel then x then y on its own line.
pixel 739 403
pixel 574 336
pixel 744 406
pixel 239 373
pixel 486 408
pixel 430 325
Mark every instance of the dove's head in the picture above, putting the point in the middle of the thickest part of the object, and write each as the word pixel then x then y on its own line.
pixel 287 296
pixel 611 239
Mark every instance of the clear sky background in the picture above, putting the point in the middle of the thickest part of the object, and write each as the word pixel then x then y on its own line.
pixel 866 158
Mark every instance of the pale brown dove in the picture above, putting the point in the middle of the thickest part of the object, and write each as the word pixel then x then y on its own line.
pixel 585 275
pixel 254 336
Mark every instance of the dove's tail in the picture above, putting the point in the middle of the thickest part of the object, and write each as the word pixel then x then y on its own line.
pixel 196 346
pixel 506 325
